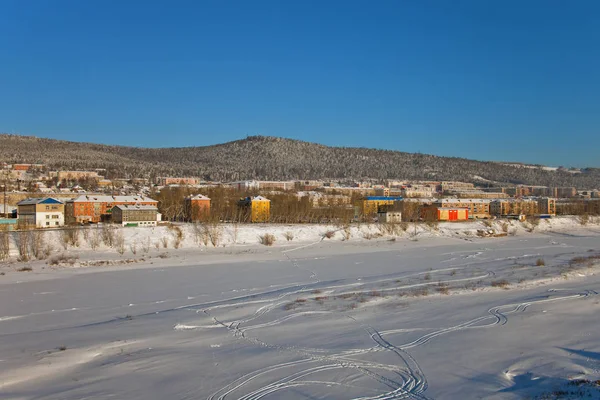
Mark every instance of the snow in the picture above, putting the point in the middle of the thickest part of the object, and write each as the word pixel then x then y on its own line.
pixel 438 313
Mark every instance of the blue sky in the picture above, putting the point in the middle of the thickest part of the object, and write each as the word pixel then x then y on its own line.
pixel 491 80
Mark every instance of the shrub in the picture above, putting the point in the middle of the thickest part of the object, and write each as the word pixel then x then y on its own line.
pixel 119 242
pixel 70 237
pixel 584 219
pixel 329 234
pixel 108 235
pixel 540 262
pixel 503 283
pixel 267 239
pixel 443 288
pixel 487 222
pixel 63 259
pixel 165 241
pixel 289 235
pixel 427 276
pixel 4 245
pixel 26 268
pixel 22 240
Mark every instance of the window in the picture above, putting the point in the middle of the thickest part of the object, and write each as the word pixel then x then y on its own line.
pixel 47 207
pixel 56 223
pixel 47 223
pixel 47 217
pixel 55 217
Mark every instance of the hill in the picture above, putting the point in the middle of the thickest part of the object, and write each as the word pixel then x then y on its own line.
pixel 271 158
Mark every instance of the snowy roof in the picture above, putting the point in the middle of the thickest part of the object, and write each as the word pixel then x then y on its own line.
pixel 198 197
pixel 259 198
pixel 112 199
pixel 39 200
pixel 135 207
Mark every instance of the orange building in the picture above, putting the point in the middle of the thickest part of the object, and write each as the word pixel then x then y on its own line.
pixel 436 213
pixel 90 208
pixel 197 208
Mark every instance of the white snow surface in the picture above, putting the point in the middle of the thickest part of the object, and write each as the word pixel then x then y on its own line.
pixel 439 313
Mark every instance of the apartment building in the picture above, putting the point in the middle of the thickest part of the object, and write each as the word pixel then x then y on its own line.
pixel 437 213
pixel 256 209
pixel 44 212
pixel 478 208
pixel 165 181
pixel 197 208
pixel 135 215
pixel 505 207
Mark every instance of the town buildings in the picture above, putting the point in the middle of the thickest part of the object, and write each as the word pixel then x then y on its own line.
pixel 165 181
pixel 439 213
pixel 43 212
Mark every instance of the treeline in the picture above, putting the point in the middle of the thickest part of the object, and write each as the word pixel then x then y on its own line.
pixel 286 207
pixel 269 158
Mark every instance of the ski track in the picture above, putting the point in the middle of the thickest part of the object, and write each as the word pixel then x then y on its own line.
pixel 404 379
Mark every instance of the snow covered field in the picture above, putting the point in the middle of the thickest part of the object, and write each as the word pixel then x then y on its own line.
pixel 437 314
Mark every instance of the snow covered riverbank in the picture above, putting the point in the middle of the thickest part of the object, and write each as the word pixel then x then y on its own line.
pixel 452 316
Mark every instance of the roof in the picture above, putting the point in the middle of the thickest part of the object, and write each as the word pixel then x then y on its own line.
pixel 39 200
pixel 112 199
pixel 135 207
pixel 198 197
pixel 259 198
pixel 383 198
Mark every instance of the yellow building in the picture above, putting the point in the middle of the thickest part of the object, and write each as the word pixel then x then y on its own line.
pixel 370 205
pixel 258 209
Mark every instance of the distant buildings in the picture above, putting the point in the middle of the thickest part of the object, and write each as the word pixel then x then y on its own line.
pixel 165 181
pixel 43 212
pixel 439 213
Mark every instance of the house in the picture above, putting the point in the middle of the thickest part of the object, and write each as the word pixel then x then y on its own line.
pixel 197 208
pixel 438 213
pixel 256 209
pixel 135 215
pixel 43 212
pixel 96 208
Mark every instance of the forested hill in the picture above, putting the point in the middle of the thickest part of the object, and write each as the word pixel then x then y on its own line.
pixel 271 158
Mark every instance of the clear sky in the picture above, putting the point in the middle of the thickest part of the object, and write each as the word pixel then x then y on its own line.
pixel 492 80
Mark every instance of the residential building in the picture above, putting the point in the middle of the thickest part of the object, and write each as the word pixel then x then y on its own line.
pixel 257 209
pixel 76 175
pixel 135 215
pixel 44 212
pixel 165 181
pixel 478 208
pixel 437 213
pixel 96 208
pixel 505 207
pixel 370 205
pixel 197 208
pixel 547 205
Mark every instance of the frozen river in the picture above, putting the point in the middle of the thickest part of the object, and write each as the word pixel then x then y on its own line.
pixel 435 319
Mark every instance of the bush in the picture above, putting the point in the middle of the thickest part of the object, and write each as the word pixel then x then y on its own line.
pixel 267 239
pixel 503 283
pixel 4 245
pixel 119 242
pixel 63 259
pixel 329 234
pixel 289 236
pixel 540 262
